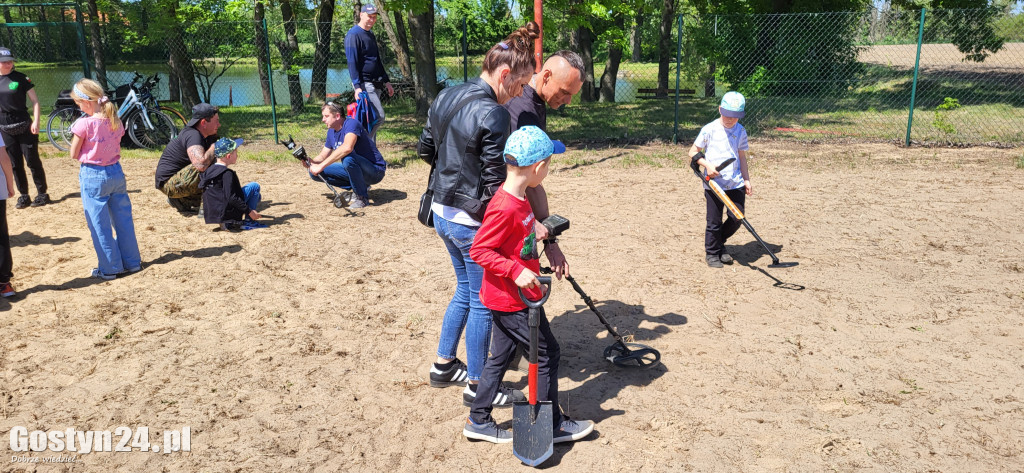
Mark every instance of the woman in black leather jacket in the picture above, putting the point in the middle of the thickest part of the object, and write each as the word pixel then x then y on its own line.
pixel 470 167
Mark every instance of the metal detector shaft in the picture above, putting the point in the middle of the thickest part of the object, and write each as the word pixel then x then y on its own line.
pixel 722 196
pixel 590 303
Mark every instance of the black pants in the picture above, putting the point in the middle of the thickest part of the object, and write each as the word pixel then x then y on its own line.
pixel 5 246
pixel 512 330
pixel 24 148
pixel 717 232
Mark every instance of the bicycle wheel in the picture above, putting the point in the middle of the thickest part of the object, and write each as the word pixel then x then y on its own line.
pixel 175 116
pixel 58 127
pixel 158 136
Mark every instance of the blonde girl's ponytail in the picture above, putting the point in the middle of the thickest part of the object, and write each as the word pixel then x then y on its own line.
pixel 88 89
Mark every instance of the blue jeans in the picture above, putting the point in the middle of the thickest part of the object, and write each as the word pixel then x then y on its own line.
pixel 465 310
pixel 251 191
pixel 354 172
pixel 108 210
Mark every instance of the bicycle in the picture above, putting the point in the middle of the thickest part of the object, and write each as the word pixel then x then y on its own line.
pixel 145 122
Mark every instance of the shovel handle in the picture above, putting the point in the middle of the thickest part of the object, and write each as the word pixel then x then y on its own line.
pixel 544 281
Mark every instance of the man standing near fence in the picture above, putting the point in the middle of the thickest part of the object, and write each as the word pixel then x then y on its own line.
pixel 364 63
pixel 177 172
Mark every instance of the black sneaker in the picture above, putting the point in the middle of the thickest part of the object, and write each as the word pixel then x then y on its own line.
pixel 41 200
pixel 455 375
pixel 714 261
pixel 23 202
pixel 725 258
pixel 504 399
pixel 489 432
pixel 181 206
pixel 573 430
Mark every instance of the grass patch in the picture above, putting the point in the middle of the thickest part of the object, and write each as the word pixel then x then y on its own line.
pixel 1020 161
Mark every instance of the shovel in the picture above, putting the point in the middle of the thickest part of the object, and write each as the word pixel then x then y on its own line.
pixel 532 421
pixel 736 211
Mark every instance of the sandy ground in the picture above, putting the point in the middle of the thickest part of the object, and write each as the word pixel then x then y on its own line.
pixel 896 345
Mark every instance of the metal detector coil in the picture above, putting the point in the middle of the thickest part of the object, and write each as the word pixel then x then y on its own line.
pixel 621 353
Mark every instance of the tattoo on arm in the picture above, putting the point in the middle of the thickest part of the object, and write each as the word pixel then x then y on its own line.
pixel 196 154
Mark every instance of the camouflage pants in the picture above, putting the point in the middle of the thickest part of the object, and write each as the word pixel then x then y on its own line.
pixel 183 186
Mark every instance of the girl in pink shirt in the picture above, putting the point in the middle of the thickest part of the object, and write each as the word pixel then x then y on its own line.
pixel 97 145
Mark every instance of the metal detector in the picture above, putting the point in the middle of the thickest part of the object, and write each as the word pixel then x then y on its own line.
pixel 621 353
pixel 298 152
pixel 717 190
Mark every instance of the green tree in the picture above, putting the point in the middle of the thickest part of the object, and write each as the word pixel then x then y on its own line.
pixel 968 24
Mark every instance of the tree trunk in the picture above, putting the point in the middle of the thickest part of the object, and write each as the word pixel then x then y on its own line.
pixel 173 87
pixel 582 41
pixel 180 60
pixel 262 58
pixel 10 31
pixel 99 65
pixel 611 67
pixel 635 39
pixel 665 50
pixel 421 28
pixel 322 53
pixel 287 49
pixel 45 29
pixel 397 38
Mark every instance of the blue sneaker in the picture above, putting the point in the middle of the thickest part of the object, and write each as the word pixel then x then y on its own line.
pixel 97 274
pixel 573 430
pixel 489 432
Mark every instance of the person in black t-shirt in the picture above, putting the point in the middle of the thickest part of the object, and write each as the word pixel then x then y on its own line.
pixel 559 79
pixel 20 130
pixel 185 157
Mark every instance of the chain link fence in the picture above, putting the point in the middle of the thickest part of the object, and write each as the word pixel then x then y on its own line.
pixel 857 75
pixel 819 76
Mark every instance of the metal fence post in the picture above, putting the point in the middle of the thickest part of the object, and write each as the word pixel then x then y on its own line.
pixel 917 66
pixel 679 54
pixel 270 79
pixel 81 40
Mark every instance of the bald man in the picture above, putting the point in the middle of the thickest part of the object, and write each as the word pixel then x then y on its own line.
pixel 559 79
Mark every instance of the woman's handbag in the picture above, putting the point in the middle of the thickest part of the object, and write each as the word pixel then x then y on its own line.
pixel 424 214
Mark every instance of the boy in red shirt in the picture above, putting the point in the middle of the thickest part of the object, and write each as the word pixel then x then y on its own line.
pixel 506 248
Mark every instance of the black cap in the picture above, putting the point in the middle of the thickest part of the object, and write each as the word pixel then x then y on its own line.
pixel 6 54
pixel 202 111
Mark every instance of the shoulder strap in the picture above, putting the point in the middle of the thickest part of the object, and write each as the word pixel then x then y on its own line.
pixel 440 133
pixel 451 114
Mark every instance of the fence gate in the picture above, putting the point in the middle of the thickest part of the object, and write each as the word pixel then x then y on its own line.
pixel 36 40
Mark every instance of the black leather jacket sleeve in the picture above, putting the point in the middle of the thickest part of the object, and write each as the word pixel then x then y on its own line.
pixel 426 148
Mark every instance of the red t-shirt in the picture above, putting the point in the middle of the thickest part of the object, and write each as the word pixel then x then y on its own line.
pixel 503 247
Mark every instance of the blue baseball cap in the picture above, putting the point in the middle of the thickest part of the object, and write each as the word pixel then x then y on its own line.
pixel 369 9
pixel 732 105
pixel 530 145
pixel 225 146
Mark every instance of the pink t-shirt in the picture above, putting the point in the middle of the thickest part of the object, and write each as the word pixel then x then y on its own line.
pixel 100 145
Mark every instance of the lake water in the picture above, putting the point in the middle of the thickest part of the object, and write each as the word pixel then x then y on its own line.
pixel 240 85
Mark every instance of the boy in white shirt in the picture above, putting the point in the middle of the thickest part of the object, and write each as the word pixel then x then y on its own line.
pixel 718 141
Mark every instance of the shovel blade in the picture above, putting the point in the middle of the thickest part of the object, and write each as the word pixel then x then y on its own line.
pixel 532 432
